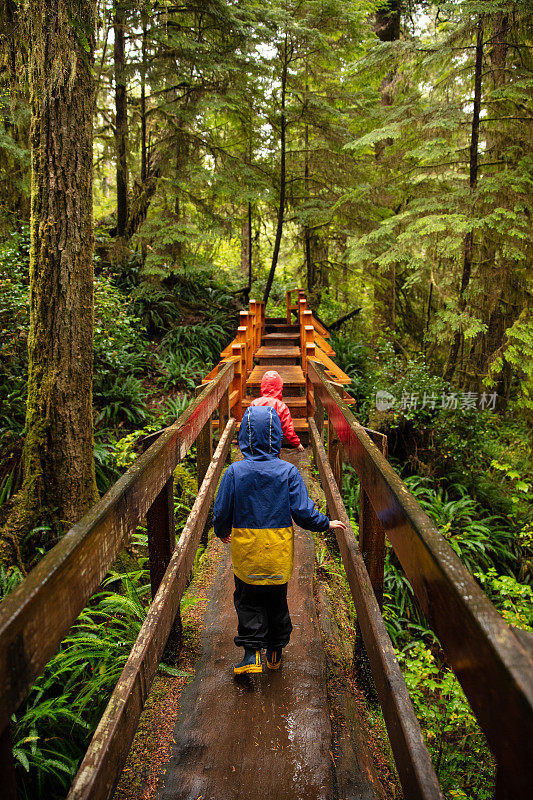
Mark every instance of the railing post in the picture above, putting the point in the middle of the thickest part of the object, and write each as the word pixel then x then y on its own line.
pixel 204 455
pixel 335 458
pixel 242 338
pixel 223 417
pixel 372 545
pixel 246 323
pixel 161 532
pixel 302 305
pixel 7 765
pixel 318 411
pixel 238 383
pixel 372 537
pixel 308 338
pixel 256 332
pixel 288 295
pixel 335 454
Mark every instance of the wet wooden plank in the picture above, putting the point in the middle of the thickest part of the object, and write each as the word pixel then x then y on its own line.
pixel 291 375
pixel 287 351
pixel 492 665
pixel 101 767
pixel 36 616
pixel 411 756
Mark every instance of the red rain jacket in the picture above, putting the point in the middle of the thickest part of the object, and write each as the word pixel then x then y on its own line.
pixel 271 393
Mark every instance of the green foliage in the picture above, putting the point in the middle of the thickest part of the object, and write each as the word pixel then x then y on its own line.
pixel 481 541
pixel 119 355
pixel 459 751
pixel 122 399
pixel 353 357
pixel 174 407
pixel 176 372
pixel 156 307
pixel 514 600
pixel 55 723
pixel 517 352
pixel 202 341
pixel 14 321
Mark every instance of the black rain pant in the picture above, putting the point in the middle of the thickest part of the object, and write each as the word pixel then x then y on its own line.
pixel 263 615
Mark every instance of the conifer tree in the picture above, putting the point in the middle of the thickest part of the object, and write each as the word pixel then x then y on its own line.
pixel 59 478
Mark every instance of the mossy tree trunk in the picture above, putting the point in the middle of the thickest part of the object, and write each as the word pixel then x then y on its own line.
pixel 387 26
pixel 121 118
pixel 59 478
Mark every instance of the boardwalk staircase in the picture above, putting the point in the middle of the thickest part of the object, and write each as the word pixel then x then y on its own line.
pixel 493 661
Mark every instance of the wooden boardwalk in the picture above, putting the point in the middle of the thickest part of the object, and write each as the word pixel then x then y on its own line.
pixel 272 737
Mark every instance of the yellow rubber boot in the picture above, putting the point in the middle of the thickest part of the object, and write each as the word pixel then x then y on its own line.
pixel 250 663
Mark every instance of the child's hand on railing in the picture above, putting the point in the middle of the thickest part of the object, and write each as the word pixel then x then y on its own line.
pixel 335 525
pixel 226 539
pixel 300 447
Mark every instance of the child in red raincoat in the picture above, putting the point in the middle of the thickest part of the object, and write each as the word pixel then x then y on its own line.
pixel 271 394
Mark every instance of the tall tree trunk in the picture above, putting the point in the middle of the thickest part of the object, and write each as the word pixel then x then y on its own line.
pixel 143 101
pixel 501 305
pixel 282 175
pixel 469 239
pixel 245 245
pixel 59 478
pixel 387 23
pixel 309 264
pixel 121 120
pixel 250 245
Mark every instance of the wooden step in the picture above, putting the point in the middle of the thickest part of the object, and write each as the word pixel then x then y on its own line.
pixel 291 375
pixel 297 406
pixel 275 320
pixel 274 356
pixel 273 351
pixel 282 339
pixel 282 328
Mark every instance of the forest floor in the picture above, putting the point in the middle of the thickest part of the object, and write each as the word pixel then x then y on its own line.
pixel 305 731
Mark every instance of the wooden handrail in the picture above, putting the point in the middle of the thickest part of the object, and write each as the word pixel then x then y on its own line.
pixel 102 765
pixel 36 616
pixel 411 756
pixel 491 663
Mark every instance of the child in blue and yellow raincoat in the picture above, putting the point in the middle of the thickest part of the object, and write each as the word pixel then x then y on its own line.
pixel 256 502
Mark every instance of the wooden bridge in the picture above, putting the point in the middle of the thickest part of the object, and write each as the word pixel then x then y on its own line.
pixel 493 661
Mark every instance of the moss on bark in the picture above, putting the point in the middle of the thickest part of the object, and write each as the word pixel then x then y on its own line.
pixel 59 478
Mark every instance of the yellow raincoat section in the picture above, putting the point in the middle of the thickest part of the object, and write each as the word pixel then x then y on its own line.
pixel 263 556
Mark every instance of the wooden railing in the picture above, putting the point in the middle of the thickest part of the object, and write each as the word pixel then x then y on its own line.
pixel 241 352
pixel 493 664
pixel 38 614
pixel 313 339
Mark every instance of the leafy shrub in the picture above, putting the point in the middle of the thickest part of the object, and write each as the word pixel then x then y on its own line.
pixel 178 372
pixel 121 399
pixel 54 726
pixel 514 600
pixel 119 338
pixel 462 760
pixel 14 322
pixel 174 407
pixel 480 540
pixel 156 308
pixel 202 342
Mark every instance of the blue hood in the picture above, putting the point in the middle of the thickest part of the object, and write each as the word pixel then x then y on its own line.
pixel 260 433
